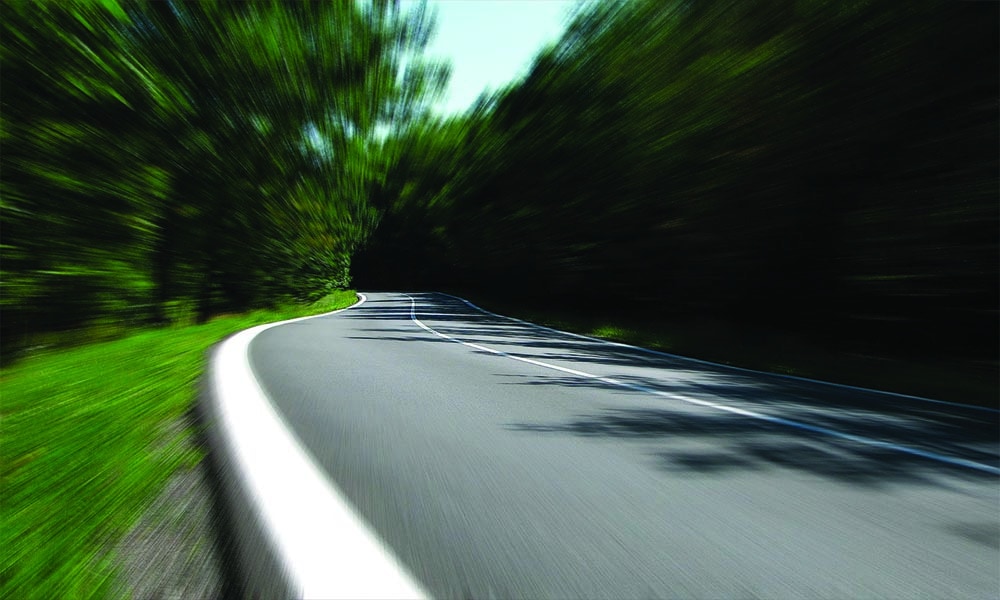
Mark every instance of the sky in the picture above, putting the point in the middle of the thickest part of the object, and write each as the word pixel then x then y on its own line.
pixel 489 43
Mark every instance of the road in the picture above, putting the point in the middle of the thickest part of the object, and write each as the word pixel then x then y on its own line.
pixel 502 460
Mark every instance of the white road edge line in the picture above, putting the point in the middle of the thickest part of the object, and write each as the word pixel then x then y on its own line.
pixel 961 462
pixel 720 365
pixel 327 549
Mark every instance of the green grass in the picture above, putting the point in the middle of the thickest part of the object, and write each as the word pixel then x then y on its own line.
pixel 89 438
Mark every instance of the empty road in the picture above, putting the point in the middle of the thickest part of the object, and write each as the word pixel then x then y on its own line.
pixel 502 460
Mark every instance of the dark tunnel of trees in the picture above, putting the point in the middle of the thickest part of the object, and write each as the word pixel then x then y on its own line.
pixel 825 167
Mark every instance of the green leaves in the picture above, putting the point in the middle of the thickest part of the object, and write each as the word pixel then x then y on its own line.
pixel 802 162
pixel 219 152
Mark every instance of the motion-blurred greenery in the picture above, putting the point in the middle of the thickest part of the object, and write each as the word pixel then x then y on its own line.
pixel 90 437
pixel 825 168
pixel 201 156
pixel 830 169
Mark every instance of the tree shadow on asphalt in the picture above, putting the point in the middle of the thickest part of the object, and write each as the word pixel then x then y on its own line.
pixel 705 442
pixel 709 441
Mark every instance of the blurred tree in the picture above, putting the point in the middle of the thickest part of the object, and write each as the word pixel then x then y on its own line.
pixel 76 225
pixel 812 165
pixel 219 155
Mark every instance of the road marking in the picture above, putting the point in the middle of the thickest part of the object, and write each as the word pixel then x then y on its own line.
pixel 724 366
pixel 961 462
pixel 326 549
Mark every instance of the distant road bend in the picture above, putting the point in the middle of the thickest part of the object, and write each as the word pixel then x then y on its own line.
pixel 498 459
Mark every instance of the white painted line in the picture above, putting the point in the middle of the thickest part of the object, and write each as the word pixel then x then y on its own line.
pixel 961 462
pixel 326 548
pixel 723 366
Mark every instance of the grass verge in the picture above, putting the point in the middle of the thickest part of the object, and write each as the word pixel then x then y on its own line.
pixel 950 379
pixel 88 444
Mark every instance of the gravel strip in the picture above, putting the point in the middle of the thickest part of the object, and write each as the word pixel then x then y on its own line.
pixel 174 550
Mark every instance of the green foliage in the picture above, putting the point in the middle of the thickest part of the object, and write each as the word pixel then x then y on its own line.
pixel 90 436
pixel 826 166
pixel 214 153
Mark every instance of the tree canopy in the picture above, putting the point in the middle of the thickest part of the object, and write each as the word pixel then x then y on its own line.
pixel 829 167
pixel 165 157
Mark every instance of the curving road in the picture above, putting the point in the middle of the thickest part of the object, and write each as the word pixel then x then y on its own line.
pixel 497 459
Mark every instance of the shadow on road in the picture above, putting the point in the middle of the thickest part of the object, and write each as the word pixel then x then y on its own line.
pixel 704 443
pixel 684 438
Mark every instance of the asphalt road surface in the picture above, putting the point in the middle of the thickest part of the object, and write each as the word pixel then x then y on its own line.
pixel 501 460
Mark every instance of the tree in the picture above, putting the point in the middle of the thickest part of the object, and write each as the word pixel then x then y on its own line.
pixel 207 155
pixel 806 165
